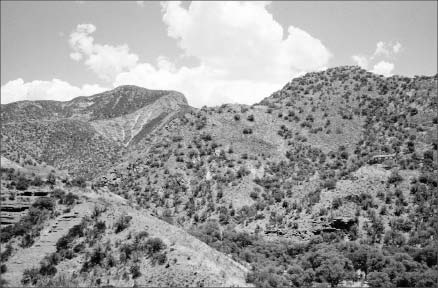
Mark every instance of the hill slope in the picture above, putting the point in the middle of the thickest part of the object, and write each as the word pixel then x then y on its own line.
pixel 332 174
pixel 87 134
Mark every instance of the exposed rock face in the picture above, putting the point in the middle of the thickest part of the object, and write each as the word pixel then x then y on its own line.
pixel 124 128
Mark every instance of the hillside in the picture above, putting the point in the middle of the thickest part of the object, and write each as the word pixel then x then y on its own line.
pixel 87 134
pixel 331 179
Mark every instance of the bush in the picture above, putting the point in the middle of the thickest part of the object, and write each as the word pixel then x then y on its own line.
pixel 37 181
pixel 58 194
pixel 95 258
pixel 44 203
pixel 394 177
pixel 79 182
pixel 247 131
pixel 250 118
pixel 30 276
pixel 6 253
pixel 337 202
pixel 378 279
pixel 3 269
pixel 69 199
pixel 63 243
pixel 135 271
pixel 329 184
pixel 51 179
pixel 22 183
pixel 155 245
pixel 122 223
pixel 159 258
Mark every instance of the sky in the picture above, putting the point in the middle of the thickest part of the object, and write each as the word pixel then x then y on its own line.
pixel 213 52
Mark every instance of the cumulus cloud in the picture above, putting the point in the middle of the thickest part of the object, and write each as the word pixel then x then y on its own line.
pixel 105 60
pixel 386 50
pixel 361 60
pixel 383 68
pixel 396 48
pixel 202 85
pixel 243 53
pixel 243 40
pixel 18 90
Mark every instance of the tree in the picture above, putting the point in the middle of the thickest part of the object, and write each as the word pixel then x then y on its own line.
pixel 44 203
pixel 79 182
pixel 394 177
pixel 122 223
pixel 22 183
pixel 155 245
pixel 51 179
pixel 379 279
pixel 335 269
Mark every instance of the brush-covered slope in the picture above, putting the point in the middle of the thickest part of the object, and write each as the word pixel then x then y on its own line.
pixel 343 154
pixel 329 180
pixel 87 134
pixel 70 235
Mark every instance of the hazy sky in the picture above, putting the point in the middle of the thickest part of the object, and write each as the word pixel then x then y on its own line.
pixel 213 52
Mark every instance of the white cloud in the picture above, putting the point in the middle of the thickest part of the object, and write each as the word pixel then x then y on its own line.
pixel 383 68
pixel 361 60
pixel 201 85
pixel 383 50
pixel 396 48
pixel 387 49
pixel 140 3
pixel 242 52
pixel 18 90
pixel 243 40
pixel 105 60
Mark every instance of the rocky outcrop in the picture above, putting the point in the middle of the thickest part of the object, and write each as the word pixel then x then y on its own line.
pixel 124 128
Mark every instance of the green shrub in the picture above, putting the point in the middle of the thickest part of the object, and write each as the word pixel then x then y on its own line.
pixel 44 203
pixel 155 245
pixel 159 258
pixel 394 178
pixel 135 271
pixel 79 182
pixel 3 268
pixel 30 276
pixel 22 183
pixel 122 223
pixel 70 199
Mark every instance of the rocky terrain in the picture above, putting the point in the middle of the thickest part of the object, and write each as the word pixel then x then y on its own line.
pixel 329 181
